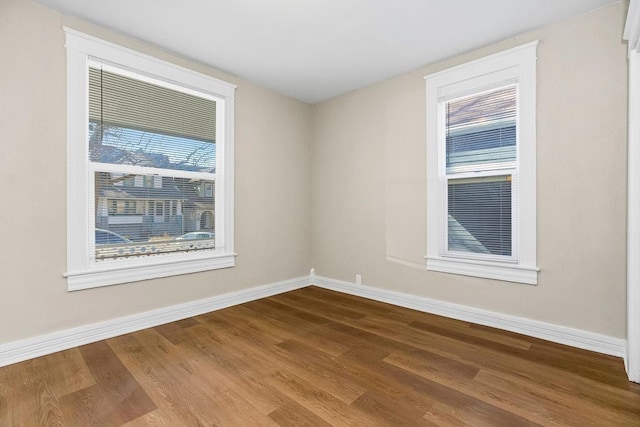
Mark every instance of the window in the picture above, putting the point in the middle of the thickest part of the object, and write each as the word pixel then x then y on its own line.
pixel 481 167
pixel 143 137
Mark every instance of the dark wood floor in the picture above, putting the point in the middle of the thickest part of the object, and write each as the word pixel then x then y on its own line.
pixel 315 357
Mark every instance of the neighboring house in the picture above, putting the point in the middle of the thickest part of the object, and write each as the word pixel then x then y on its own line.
pixel 199 206
pixel 139 207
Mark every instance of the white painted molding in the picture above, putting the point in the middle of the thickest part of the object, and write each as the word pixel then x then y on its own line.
pixel 82 269
pixel 490 270
pixel 632 360
pixel 164 266
pixel 513 65
pixel 93 46
pixel 546 331
pixel 30 348
pixel 632 27
pixel 19 351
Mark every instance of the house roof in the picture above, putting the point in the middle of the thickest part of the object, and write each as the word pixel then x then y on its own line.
pixel 497 106
pixel 129 192
pixel 202 205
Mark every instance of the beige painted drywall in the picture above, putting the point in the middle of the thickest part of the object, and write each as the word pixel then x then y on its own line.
pixel 272 217
pixel 365 179
pixel 369 190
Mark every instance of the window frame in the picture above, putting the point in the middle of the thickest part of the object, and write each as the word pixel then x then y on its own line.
pixel 82 271
pixel 516 65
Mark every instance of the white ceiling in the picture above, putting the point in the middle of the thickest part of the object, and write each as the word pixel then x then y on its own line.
pixel 315 49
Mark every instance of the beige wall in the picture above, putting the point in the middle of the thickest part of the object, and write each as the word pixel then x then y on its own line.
pixel 364 185
pixel 272 187
pixel 369 190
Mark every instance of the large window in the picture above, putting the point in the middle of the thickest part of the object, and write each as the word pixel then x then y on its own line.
pixel 150 150
pixel 481 167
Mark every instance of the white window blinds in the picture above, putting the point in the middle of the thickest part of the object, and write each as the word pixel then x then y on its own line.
pixel 123 101
pixel 481 154
pixel 152 153
pixel 144 124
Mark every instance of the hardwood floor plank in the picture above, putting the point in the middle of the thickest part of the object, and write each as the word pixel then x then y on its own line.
pixel 5 410
pixel 390 410
pixel 202 388
pixel 317 357
pixel 51 409
pixel 545 412
pixel 196 384
pixel 442 393
pixel 288 314
pixel 369 305
pixel 251 327
pixel 442 414
pixel 187 323
pixel 155 418
pixel 328 310
pixel 599 367
pixel 571 409
pixel 244 376
pixel 116 397
pixel 319 368
pixel 509 338
pixel 332 410
pixel 151 373
pixel 172 332
pixel 48 378
pixel 550 356
pixel 295 415
pixel 312 336
pixel 459 349
pixel 17 391
pixel 388 346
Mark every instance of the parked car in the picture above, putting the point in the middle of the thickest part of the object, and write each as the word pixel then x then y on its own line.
pixel 196 235
pixel 106 237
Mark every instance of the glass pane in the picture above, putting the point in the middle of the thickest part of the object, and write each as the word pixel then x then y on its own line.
pixel 479 215
pixel 146 215
pixel 481 131
pixel 124 146
pixel 135 122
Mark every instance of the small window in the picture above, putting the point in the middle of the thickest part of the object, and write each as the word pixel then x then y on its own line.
pixel 159 208
pixel 481 139
pixel 144 135
pixel 481 168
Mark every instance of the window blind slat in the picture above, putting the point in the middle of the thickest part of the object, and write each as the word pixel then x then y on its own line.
pixel 479 215
pixel 125 102
pixel 481 130
pixel 133 122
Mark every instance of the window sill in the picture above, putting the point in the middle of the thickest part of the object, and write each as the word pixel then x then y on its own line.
pixel 116 274
pixel 488 270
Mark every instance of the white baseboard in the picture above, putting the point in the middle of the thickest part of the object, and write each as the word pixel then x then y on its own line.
pixel 546 331
pixel 30 348
pixel 19 351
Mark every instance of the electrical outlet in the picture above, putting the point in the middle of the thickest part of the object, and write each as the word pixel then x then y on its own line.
pixel 358 279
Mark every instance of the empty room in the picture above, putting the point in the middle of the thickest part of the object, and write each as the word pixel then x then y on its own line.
pixel 313 213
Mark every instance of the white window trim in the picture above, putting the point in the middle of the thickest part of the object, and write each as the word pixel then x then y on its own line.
pixel 632 34
pixel 82 273
pixel 516 64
